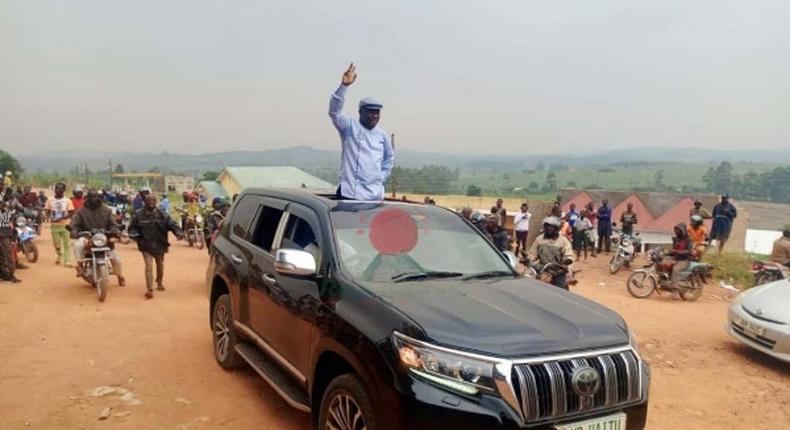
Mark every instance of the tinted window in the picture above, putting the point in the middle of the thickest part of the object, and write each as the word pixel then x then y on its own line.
pixel 243 213
pixel 267 227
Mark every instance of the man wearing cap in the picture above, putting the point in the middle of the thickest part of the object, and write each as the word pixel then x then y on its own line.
pixel 699 210
pixel 367 155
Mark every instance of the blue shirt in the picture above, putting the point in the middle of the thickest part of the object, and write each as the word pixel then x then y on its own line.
pixel 164 206
pixel 367 156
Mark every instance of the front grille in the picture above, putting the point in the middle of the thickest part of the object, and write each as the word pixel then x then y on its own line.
pixel 760 340
pixel 545 391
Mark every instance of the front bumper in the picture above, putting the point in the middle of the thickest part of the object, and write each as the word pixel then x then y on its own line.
pixel 431 407
pixel 775 341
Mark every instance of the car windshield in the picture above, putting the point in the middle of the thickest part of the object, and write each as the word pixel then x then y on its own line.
pixel 393 242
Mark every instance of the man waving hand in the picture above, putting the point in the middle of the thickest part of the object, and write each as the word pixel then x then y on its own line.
pixel 367 155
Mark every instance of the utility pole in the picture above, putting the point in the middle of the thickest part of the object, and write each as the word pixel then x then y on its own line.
pixel 87 178
pixel 109 174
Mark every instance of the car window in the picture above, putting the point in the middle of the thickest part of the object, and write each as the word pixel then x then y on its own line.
pixel 266 227
pixel 299 235
pixel 243 213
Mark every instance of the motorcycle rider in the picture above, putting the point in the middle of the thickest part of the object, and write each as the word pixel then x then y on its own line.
pixel 682 252
pixel 215 218
pixel 78 199
pixel 496 234
pixel 137 202
pixel 552 247
pixel 95 216
pixel 698 234
pixel 781 249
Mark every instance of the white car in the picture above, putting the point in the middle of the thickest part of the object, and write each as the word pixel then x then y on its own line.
pixel 760 318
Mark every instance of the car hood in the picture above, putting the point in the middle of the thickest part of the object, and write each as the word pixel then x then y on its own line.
pixel 770 301
pixel 504 317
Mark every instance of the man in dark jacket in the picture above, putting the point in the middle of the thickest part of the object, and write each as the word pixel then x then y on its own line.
pixel 95 215
pixel 150 226
pixel 496 234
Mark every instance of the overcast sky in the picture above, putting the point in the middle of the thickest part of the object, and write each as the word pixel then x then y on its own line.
pixel 454 76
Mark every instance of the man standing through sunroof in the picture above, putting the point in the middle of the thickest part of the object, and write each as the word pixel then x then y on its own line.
pixel 367 155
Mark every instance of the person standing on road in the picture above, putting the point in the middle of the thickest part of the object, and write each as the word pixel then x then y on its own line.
pixel 628 220
pixel 723 215
pixel 7 232
pixel 60 210
pixel 500 212
pixel 605 226
pixel 367 155
pixel 521 225
pixel 572 216
pixel 164 204
pixel 150 226
pixel 78 200
pixel 699 210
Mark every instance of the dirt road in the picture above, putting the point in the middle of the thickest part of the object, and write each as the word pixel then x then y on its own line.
pixel 59 343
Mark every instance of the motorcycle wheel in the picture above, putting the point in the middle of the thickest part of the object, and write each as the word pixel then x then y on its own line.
pixel 30 249
pixel 641 285
pixel 764 277
pixel 692 291
pixel 615 264
pixel 124 239
pixel 201 240
pixel 103 282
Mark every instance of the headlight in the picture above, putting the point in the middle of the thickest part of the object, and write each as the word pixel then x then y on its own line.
pixel 198 219
pixel 454 370
pixel 21 221
pixel 632 340
pixel 99 240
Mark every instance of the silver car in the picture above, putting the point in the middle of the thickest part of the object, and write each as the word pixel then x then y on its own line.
pixel 760 318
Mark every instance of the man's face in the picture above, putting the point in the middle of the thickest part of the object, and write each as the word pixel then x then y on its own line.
pixel 697 205
pixel 369 118
pixel 724 199
pixel 26 189
pixel 78 194
pixel 573 206
pixel 523 208
pixel 605 202
pixel 93 200
pixel 630 206
pixel 150 202
pixel 499 203
pixel 59 190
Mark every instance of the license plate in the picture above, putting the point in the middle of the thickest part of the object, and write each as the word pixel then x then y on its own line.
pixel 611 422
pixel 752 328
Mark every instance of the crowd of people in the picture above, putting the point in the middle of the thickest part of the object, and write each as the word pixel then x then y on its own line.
pixel 142 217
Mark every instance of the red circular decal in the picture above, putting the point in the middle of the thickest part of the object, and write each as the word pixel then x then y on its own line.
pixel 393 231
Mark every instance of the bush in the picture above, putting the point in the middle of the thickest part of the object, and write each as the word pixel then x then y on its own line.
pixel 733 267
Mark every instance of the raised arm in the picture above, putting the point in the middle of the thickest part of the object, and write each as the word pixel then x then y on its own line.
pixel 340 120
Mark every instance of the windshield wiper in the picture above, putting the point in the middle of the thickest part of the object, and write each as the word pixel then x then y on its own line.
pixel 489 274
pixel 411 276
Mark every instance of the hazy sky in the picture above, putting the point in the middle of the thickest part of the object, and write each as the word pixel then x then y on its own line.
pixel 467 76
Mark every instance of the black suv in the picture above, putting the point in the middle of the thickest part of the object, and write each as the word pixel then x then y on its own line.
pixel 390 315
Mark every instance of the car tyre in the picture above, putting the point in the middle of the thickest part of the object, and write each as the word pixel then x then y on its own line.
pixel 346 405
pixel 224 335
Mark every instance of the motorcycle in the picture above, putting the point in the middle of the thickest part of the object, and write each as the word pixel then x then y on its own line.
pixel 657 276
pixel 34 219
pixel 193 228
pixel 551 273
pixel 25 235
pixel 768 271
pixel 124 223
pixel 627 247
pixel 95 267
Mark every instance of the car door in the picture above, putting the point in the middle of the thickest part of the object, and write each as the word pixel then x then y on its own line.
pixel 233 256
pixel 295 299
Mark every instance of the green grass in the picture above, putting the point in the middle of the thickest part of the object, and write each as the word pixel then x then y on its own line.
pixel 732 267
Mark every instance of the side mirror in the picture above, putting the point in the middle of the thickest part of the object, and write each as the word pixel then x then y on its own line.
pixel 511 258
pixel 294 262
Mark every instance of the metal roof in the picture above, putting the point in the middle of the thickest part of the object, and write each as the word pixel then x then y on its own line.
pixel 212 189
pixel 275 177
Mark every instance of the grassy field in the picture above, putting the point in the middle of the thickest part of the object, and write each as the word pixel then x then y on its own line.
pixel 675 176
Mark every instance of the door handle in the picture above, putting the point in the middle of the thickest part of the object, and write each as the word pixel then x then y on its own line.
pixel 268 278
pixel 236 259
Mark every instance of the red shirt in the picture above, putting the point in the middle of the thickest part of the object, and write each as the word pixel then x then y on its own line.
pixel 78 202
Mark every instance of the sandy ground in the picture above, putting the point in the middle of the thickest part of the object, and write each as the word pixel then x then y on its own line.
pixel 59 343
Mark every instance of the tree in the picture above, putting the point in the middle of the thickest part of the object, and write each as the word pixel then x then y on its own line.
pixel 119 168
pixel 533 186
pixel 473 190
pixel 7 162
pixel 551 183
pixel 658 181
pixel 212 175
